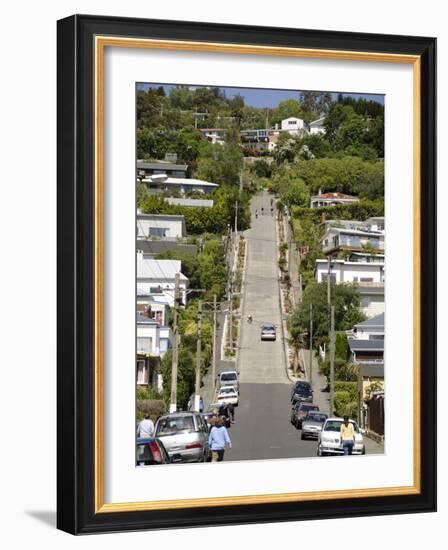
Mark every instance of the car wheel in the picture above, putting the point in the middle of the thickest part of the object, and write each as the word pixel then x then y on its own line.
pixel 364 450
pixel 319 451
pixel 302 437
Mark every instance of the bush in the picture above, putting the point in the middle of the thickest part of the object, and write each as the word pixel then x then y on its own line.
pixel 344 405
pixel 153 407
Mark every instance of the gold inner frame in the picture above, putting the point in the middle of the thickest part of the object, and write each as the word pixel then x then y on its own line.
pixel 101 42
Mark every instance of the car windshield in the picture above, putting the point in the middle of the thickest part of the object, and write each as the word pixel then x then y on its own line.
pixel 268 328
pixel 227 390
pixel 176 425
pixel 335 426
pixel 308 407
pixel 225 377
pixel 316 417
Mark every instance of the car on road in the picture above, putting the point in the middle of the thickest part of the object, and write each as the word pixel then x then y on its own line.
pixel 300 410
pixel 268 332
pixel 184 435
pixel 302 392
pixel 329 439
pixel 312 424
pixel 149 451
pixel 227 395
pixel 300 385
pixel 229 378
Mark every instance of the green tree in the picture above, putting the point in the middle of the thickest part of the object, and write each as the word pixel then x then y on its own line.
pixel 286 109
pixel 297 193
pixel 345 298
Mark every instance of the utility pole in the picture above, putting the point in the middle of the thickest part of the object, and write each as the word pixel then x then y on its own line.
pixel 214 342
pixel 329 282
pixel 175 354
pixel 197 394
pixel 332 362
pixel 311 345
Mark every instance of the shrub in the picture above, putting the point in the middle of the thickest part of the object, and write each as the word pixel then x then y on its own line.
pixel 153 407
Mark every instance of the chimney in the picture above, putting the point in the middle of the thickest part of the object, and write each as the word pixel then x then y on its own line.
pixel 320 191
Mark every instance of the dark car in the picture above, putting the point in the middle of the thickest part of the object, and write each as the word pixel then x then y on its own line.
pixel 149 451
pixel 299 411
pixel 301 392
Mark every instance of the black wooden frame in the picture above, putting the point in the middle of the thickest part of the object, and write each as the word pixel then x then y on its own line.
pixel 75 173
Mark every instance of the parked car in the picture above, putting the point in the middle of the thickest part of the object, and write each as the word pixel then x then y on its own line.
pixel 149 451
pixel 300 410
pixel 302 392
pixel 185 435
pixel 229 378
pixel 268 331
pixel 329 439
pixel 227 396
pixel 300 384
pixel 312 424
pixel 207 416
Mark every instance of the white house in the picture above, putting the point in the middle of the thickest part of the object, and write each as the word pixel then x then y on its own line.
pixel 294 126
pixel 331 199
pixel 214 135
pixel 190 203
pixel 343 271
pixel 157 278
pixel 152 339
pixel 368 275
pixel 338 239
pixel 366 346
pixel 317 127
pixel 160 226
pixel 153 306
pixel 162 182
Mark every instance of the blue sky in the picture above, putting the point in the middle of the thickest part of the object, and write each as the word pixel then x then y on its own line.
pixel 256 97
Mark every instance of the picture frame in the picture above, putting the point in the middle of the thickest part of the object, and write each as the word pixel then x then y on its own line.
pixel 82 41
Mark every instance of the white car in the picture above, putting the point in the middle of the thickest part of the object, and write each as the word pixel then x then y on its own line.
pixel 227 396
pixel 268 332
pixel 229 378
pixel 329 439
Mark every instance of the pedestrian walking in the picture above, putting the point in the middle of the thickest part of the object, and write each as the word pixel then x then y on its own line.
pixel 231 409
pixel 201 405
pixel 145 427
pixel 347 436
pixel 218 440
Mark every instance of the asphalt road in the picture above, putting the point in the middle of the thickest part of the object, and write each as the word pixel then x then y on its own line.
pixel 263 429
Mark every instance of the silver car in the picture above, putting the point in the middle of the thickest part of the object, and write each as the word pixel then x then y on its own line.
pixel 184 435
pixel 312 424
pixel 268 332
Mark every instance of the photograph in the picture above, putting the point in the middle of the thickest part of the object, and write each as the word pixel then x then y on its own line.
pixel 260 274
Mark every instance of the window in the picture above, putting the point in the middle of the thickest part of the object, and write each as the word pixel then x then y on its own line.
pixel 142 372
pixel 144 344
pixel 158 231
pixel 366 279
pixel 155 290
pixel 292 122
pixel 325 277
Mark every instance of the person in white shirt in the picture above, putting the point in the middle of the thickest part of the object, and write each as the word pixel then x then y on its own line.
pixel 146 427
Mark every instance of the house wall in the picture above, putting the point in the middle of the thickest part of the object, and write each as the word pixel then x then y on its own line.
pixel 372 305
pixel 167 286
pixel 173 228
pixel 351 272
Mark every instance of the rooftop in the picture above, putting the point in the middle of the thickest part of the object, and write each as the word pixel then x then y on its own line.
pixel 377 321
pixel 160 165
pixel 158 269
pixel 195 203
pixel 356 344
pixel 334 196
pixel 179 181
